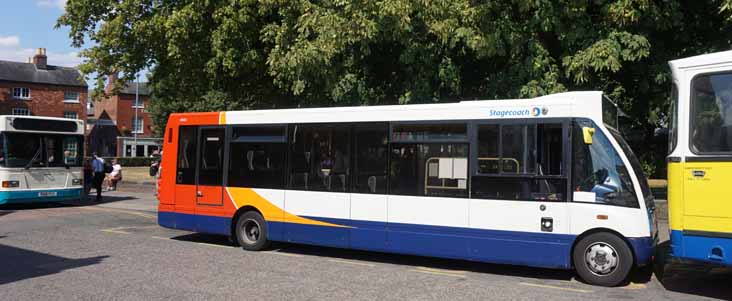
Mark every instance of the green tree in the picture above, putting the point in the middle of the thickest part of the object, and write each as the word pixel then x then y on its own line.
pixel 247 54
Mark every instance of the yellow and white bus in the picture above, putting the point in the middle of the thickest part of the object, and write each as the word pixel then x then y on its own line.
pixel 700 158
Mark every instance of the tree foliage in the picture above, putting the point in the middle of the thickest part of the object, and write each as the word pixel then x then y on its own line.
pixel 249 54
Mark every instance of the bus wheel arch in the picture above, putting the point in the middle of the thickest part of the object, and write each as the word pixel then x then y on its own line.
pixel 603 240
pixel 249 217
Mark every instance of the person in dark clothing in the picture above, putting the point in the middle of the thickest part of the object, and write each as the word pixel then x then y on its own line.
pixel 98 167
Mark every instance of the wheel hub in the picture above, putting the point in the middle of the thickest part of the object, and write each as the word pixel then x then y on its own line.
pixel 251 231
pixel 601 258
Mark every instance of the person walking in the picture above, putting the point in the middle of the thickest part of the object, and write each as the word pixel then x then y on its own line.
pixel 98 167
pixel 88 178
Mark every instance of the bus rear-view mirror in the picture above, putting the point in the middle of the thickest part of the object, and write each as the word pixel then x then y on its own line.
pixel 587 133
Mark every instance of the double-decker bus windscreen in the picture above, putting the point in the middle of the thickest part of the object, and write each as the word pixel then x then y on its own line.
pixel 40 150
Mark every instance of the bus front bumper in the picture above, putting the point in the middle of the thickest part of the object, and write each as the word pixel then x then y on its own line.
pixel 39 195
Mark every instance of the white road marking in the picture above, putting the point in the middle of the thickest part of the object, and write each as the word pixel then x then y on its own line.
pixel 282 254
pixel 439 273
pixel 568 289
pixel 121 211
pixel 351 262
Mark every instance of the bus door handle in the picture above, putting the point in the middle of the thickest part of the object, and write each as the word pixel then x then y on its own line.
pixel 199 194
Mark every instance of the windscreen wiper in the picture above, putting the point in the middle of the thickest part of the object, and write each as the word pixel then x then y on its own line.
pixel 36 155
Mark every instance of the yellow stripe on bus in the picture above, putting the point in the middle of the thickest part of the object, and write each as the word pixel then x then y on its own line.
pixel 248 197
pixel 222 118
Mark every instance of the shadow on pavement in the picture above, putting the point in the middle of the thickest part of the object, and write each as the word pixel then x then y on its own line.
pixel 703 280
pixel 19 264
pixel 9 208
pixel 399 259
pixel 205 238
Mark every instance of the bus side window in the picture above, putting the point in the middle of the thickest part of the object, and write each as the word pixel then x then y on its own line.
pixel 186 173
pixel 320 157
pixel 372 157
pixel 258 157
pixel 527 166
pixel 424 161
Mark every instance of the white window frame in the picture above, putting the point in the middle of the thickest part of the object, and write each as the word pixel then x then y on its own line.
pixel 141 130
pixel 138 105
pixel 18 93
pixel 71 100
pixel 17 111
pixel 76 114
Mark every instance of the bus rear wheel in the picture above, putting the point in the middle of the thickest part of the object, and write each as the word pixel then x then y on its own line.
pixel 602 259
pixel 251 231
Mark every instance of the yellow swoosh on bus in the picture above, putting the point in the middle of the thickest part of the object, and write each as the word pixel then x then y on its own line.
pixel 248 197
pixel 222 118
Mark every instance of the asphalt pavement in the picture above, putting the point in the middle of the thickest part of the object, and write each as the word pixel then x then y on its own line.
pixel 115 250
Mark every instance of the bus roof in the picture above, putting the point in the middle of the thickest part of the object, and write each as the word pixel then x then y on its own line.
pixel 716 58
pixel 570 104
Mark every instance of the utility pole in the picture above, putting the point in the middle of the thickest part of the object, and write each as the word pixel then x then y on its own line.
pixel 135 106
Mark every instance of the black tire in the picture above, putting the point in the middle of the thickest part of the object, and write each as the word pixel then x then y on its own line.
pixel 251 231
pixel 602 259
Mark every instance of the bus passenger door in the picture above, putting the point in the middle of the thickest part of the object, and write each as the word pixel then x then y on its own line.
pixel 209 180
pixel 185 176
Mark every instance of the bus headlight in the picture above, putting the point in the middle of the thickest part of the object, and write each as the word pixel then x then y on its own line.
pixel 11 184
pixel 76 182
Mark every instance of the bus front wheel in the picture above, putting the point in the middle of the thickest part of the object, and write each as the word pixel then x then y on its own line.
pixel 251 231
pixel 602 259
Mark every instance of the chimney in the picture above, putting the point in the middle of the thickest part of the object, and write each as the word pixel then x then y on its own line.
pixel 40 59
pixel 111 78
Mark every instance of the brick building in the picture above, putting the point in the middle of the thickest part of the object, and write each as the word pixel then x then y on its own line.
pixel 135 134
pixel 39 89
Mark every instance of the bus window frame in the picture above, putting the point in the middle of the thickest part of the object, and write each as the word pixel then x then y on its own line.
pixel 229 140
pixel 721 156
pixel 566 175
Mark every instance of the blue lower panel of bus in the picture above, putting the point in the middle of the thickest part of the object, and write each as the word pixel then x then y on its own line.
pixel 707 248
pixel 39 196
pixel 511 247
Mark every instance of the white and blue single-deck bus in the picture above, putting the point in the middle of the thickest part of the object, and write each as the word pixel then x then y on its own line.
pixel 40 159
pixel 546 182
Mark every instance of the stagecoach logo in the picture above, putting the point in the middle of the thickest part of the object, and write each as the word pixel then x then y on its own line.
pixel 539 111
pixel 535 112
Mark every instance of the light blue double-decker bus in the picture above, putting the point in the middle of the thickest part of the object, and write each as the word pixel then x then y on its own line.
pixel 40 159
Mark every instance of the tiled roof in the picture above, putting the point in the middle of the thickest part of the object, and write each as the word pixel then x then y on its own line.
pixel 130 89
pixel 54 75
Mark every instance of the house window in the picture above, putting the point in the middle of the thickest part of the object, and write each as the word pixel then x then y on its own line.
pixel 89 109
pixel 21 93
pixel 138 104
pixel 71 96
pixel 137 125
pixel 21 111
pixel 71 115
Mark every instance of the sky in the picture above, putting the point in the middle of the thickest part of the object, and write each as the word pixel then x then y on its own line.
pixel 29 24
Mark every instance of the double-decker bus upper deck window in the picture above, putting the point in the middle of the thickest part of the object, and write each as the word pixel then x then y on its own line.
pixel 711 114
